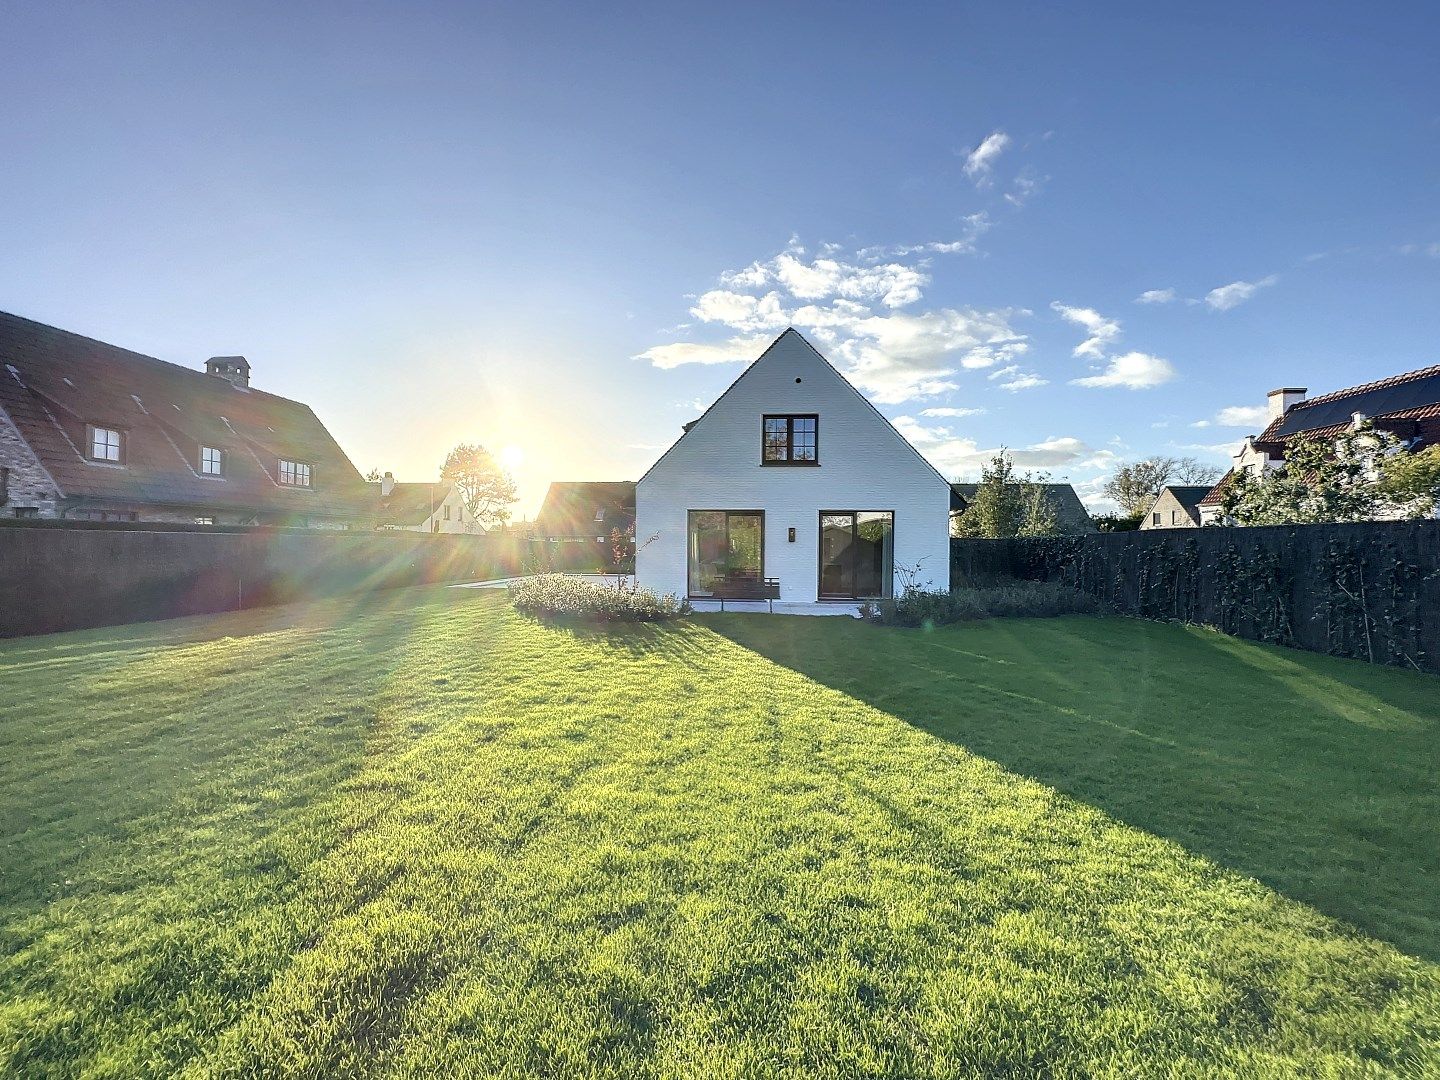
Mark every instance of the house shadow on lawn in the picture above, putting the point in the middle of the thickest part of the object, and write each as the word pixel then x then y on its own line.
pixel 1314 775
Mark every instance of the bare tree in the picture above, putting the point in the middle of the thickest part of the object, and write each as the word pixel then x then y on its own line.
pixel 1135 487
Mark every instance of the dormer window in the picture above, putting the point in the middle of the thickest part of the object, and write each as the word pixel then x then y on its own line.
pixel 294 473
pixel 212 461
pixel 790 440
pixel 106 444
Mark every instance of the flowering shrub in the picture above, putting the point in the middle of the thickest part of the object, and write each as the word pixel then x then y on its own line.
pixel 1015 599
pixel 561 596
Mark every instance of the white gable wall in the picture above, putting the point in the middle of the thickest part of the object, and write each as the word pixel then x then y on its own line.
pixel 864 465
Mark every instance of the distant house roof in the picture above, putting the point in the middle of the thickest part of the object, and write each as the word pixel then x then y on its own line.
pixel 412 504
pixel 1070 512
pixel 570 508
pixel 53 384
pixel 1188 496
pixel 1407 405
pixel 1401 403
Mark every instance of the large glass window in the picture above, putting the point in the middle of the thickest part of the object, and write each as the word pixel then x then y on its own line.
pixel 790 440
pixel 857 554
pixel 727 547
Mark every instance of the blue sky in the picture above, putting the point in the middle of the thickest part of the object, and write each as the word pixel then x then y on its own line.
pixel 528 225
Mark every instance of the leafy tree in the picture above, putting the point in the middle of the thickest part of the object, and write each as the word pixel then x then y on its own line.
pixel 1117 522
pixel 1136 487
pixel 1007 504
pixel 1360 475
pixel 486 489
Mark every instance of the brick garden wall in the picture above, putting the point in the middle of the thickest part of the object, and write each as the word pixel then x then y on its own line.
pixel 1369 591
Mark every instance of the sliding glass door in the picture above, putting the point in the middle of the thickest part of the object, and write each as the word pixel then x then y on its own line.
pixel 857 554
pixel 727 547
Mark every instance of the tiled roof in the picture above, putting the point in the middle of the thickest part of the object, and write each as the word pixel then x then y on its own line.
pixel 411 504
pixel 570 507
pixel 1217 493
pixel 1187 495
pixel 1415 395
pixel 54 383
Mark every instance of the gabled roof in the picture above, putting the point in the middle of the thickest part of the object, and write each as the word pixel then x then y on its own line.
pixel 412 504
pixel 570 507
pixel 1414 396
pixel 1216 494
pixel 789 332
pixel 1189 496
pixel 1070 512
pixel 53 383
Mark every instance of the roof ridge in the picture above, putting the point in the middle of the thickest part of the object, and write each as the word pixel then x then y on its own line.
pixel 1363 388
pixel 141 356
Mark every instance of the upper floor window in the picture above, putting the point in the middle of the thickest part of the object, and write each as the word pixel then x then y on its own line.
pixel 105 444
pixel 447 511
pixel 790 440
pixel 599 513
pixel 294 473
pixel 212 461
pixel 1155 518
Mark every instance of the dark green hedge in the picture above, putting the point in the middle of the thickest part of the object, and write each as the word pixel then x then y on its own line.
pixel 1369 591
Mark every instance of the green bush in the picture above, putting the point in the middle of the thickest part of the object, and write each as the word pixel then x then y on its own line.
pixel 1012 599
pixel 562 596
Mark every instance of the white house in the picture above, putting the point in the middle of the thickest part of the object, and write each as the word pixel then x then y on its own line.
pixel 791 487
pixel 432 508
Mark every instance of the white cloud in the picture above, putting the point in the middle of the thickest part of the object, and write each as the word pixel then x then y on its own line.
pixel 1025 186
pixel 741 311
pixel 964 457
pixel 975 226
pixel 1102 331
pixel 980 161
pixel 951 413
pixel 1156 296
pixel 1134 370
pixel 735 351
pixel 893 284
pixel 1246 416
pixel 1433 250
pixel 1237 292
pixel 1013 379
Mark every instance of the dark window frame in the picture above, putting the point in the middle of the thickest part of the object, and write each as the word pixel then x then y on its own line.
pixel 309 484
pixel 788 461
pixel 820 555
pixel 689 515
pixel 121 439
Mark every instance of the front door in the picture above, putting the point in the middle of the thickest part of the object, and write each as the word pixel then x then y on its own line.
pixel 857 554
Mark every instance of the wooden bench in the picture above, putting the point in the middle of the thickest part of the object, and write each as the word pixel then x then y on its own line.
pixel 747 588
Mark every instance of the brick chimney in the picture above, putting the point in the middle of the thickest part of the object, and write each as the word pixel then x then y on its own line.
pixel 1282 400
pixel 233 369
pixel 387 485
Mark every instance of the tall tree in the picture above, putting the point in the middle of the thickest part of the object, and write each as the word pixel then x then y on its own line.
pixel 1360 475
pixel 1136 487
pixel 486 489
pixel 1006 504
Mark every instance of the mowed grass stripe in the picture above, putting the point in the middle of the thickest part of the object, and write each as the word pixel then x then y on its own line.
pixel 424 836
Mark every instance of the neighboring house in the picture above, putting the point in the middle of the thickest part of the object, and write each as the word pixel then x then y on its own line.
pixel 791 486
pixel 90 431
pixel 1070 514
pixel 586 511
pixel 430 508
pixel 1407 406
pixel 1176 507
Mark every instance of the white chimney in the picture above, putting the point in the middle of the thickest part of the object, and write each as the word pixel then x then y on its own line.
pixel 233 369
pixel 387 485
pixel 1282 400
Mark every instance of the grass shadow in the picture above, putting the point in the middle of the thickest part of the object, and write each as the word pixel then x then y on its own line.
pixel 1316 776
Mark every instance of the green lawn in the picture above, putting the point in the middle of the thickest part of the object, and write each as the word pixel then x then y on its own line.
pixel 417 835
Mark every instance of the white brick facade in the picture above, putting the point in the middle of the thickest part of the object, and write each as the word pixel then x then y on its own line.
pixel 864 465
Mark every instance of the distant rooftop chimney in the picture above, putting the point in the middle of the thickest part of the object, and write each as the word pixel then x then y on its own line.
pixel 233 369
pixel 1283 399
pixel 387 485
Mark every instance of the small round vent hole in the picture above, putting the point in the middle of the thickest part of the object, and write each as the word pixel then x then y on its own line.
pixel 797 379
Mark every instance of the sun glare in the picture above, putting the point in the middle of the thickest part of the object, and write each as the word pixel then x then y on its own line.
pixel 511 456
